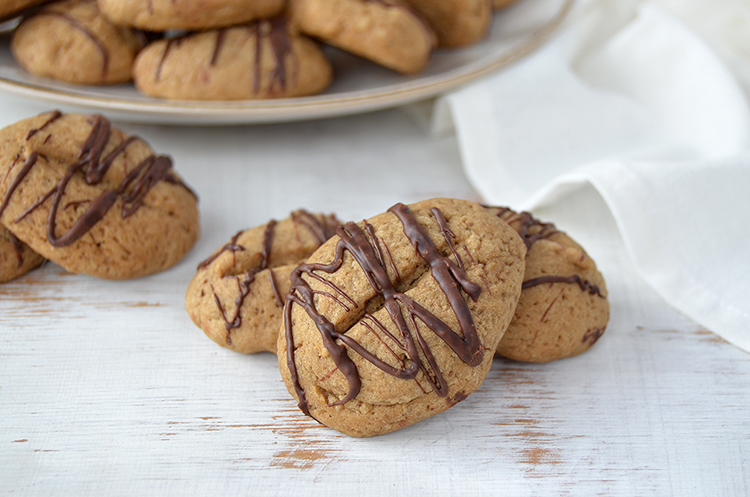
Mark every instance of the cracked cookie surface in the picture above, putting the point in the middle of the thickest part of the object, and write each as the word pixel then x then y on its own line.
pixel 397 318
pixel 92 198
pixel 563 309
pixel 238 294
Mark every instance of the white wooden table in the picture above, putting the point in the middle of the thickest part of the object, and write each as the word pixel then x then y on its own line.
pixel 107 388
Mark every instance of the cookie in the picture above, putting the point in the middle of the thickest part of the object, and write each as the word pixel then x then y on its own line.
pixel 16 258
pixel 397 318
pixel 93 199
pixel 238 293
pixel 194 15
pixel 71 41
pixel 563 309
pixel 9 8
pixel 457 23
pixel 261 60
pixel 383 31
pixel 501 4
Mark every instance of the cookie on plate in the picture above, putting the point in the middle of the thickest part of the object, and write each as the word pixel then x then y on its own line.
pixel 193 15
pixel 238 293
pixel 384 31
pixel 457 23
pixel 16 258
pixel 397 318
pixel 563 309
pixel 71 41
pixel 93 199
pixel 9 8
pixel 256 61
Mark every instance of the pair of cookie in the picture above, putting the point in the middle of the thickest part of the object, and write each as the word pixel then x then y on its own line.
pixel 376 314
pixel 92 198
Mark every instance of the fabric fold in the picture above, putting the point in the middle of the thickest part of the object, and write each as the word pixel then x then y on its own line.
pixel 634 101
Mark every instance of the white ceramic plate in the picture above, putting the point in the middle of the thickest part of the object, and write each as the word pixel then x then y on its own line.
pixel 359 86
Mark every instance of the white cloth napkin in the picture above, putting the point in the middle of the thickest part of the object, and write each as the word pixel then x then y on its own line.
pixel 645 101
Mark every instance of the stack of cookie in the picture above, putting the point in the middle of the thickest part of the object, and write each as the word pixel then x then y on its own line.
pixel 91 198
pixel 234 49
pixel 380 324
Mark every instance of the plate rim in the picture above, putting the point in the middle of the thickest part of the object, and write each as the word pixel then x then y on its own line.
pixel 298 108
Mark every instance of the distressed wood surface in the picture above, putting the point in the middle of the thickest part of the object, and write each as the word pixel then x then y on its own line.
pixel 107 388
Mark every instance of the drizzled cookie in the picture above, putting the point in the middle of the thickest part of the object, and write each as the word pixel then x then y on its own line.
pixel 93 199
pixel 164 15
pixel 238 293
pixel 383 31
pixel 397 318
pixel 260 60
pixel 16 258
pixel 71 41
pixel 563 309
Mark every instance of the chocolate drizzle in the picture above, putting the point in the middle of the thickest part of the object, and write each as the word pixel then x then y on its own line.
pixel 131 191
pixel 532 230
pixel 585 286
pixel 272 31
pixel 243 285
pixel 220 37
pixel 320 230
pixel 404 312
pixel 282 48
pixel 232 247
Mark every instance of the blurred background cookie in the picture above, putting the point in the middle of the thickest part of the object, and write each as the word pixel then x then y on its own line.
pixel 163 15
pixel 457 23
pixel 16 258
pixel 255 61
pixel 71 41
pixel 385 32
pixel 238 293
pixel 92 198
pixel 501 4
pixel 563 309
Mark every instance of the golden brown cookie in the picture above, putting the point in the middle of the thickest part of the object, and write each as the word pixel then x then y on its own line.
pixel 501 4
pixel 71 41
pixel 16 258
pixel 93 199
pixel 261 60
pixel 563 308
pixel 164 15
pixel 383 31
pixel 9 8
pixel 457 23
pixel 397 318
pixel 238 293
